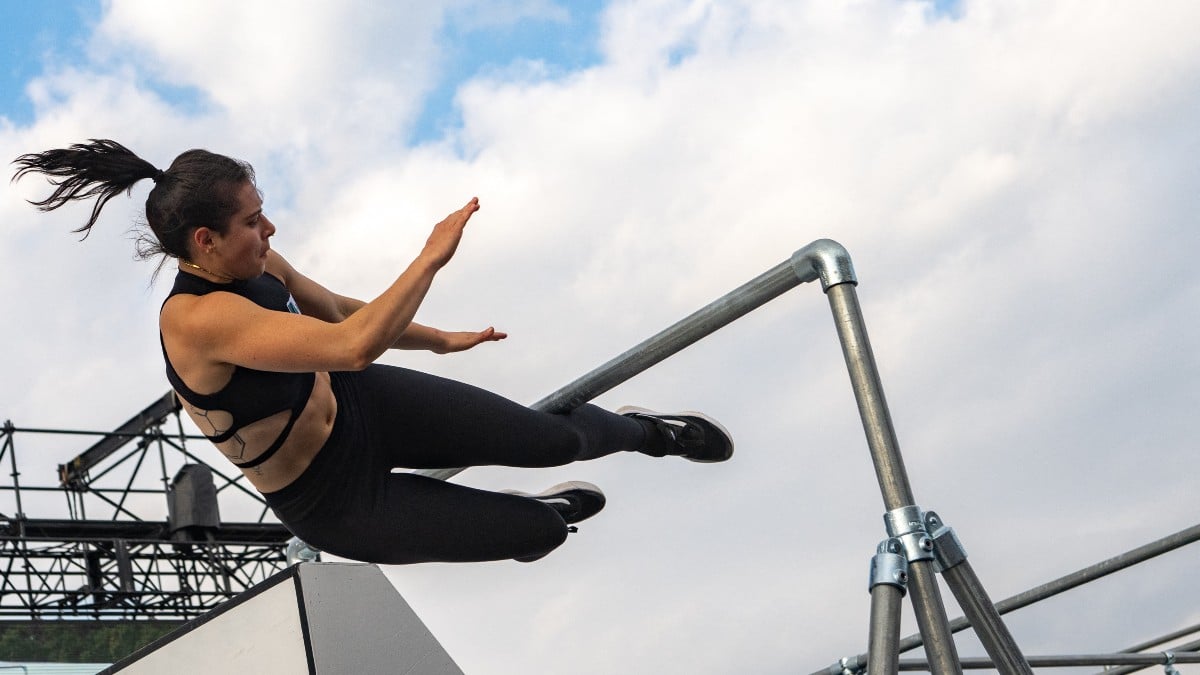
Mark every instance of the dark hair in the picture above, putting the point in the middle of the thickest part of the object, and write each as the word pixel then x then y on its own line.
pixel 199 189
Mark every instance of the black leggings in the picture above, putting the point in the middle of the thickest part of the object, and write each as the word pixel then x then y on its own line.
pixel 350 504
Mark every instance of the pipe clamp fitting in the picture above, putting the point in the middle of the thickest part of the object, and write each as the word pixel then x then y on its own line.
pixel 889 567
pixel 907 525
pixel 824 259
pixel 948 551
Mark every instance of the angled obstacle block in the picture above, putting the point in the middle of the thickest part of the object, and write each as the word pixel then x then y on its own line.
pixel 317 618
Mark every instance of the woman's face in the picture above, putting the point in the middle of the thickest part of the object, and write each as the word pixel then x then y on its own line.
pixel 242 249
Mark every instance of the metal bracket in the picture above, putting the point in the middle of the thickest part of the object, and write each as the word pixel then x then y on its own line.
pixel 824 259
pixel 889 567
pixel 906 525
pixel 848 665
pixel 298 551
pixel 948 551
pixel 1169 665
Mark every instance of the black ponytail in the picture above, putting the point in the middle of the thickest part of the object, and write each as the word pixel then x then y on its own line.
pixel 100 168
pixel 199 189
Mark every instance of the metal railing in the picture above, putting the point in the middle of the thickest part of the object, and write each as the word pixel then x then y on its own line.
pixel 823 259
pixel 918 544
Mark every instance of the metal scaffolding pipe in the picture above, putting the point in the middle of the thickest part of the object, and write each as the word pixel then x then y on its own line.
pixel 868 392
pixel 823 259
pixel 930 611
pixel 889 469
pixel 1134 661
pixel 1182 632
pixel 990 628
pixel 1069 581
pixel 1177 653
pixel 884 630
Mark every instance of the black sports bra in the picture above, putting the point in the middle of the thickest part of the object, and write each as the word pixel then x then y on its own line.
pixel 250 395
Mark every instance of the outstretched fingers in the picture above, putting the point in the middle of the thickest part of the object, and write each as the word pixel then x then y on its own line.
pixel 463 340
pixel 446 235
pixel 464 214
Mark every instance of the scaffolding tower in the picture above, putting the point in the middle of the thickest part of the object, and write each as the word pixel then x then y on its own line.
pixel 108 552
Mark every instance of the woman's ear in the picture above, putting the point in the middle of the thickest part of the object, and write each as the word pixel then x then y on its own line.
pixel 202 240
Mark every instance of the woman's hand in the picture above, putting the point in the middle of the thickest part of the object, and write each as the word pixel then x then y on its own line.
pixel 463 340
pixel 446 235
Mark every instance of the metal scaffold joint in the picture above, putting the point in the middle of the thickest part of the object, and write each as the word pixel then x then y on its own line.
pixel 889 566
pixel 299 551
pixel 848 665
pixel 948 551
pixel 824 259
pixel 906 525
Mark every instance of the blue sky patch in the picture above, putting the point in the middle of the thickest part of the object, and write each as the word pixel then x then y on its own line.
pixel 948 8
pixel 563 46
pixel 34 35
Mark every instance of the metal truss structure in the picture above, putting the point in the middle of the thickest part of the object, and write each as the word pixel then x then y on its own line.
pixel 112 554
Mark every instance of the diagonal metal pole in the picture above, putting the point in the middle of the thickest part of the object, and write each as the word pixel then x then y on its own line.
pixel 1162 639
pixel 985 619
pixel 818 260
pixel 1065 583
pixel 889 469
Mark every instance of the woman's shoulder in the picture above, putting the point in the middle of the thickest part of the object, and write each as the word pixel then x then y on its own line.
pixel 192 313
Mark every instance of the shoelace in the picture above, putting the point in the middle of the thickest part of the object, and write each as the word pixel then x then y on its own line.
pixel 681 432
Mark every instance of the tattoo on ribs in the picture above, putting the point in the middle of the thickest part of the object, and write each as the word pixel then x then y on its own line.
pixel 237 451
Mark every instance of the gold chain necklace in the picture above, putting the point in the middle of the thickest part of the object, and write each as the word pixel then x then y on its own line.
pixel 206 271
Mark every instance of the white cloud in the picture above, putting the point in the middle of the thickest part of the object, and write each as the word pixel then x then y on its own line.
pixel 307 71
pixel 1017 188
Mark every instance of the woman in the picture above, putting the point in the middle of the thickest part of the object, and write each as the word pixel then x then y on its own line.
pixel 279 373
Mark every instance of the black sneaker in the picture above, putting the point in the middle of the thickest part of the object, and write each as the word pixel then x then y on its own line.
pixel 690 435
pixel 574 500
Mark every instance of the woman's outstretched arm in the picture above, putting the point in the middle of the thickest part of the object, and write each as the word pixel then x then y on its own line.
pixel 317 301
pixel 225 328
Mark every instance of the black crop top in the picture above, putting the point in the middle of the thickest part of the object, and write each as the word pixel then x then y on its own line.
pixel 250 395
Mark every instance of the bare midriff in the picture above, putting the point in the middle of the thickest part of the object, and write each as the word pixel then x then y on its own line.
pixel 306 439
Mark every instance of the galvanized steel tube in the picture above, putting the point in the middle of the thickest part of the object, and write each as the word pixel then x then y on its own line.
pixel 868 392
pixel 823 259
pixel 931 619
pixel 883 653
pixel 1163 639
pixel 986 621
pixel 705 321
pixel 1142 662
pixel 1187 657
pixel 889 469
pixel 1075 579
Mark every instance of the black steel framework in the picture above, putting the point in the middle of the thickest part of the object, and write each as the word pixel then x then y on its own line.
pixel 109 549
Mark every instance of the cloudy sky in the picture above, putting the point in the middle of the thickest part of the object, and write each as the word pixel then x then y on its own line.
pixel 1016 182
